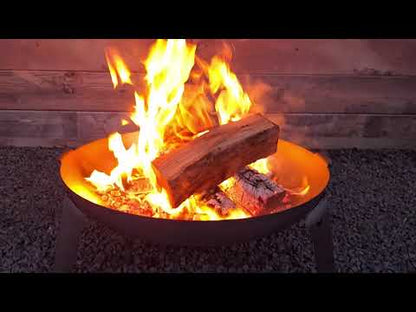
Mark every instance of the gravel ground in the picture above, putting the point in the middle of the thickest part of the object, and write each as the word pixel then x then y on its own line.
pixel 372 213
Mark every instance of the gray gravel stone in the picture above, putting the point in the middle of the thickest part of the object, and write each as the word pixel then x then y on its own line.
pixel 372 212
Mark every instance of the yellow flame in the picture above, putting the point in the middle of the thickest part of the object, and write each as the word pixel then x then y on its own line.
pixel 261 166
pixel 117 67
pixel 126 162
pixel 232 102
pixel 170 112
pixel 303 189
pixel 227 183
pixel 201 133
pixel 167 69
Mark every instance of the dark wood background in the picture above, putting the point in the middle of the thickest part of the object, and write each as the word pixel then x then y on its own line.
pixel 324 93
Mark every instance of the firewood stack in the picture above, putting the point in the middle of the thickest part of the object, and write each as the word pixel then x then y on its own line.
pixel 198 167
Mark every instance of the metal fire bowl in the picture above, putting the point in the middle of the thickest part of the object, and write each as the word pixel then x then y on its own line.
pixel 291 162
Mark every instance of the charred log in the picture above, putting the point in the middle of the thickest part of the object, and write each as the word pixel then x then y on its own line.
pixel 254 192
pixel 218 200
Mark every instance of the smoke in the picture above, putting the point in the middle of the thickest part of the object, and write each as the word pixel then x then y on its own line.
pixel 285 108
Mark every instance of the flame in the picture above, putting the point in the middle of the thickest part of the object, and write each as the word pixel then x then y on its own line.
pixel 126 159
pixel 303 189
pixel 232 102
pixel 168 67
pixel 227 183
pixel 184 97
pixel 261 166
pixel 118 69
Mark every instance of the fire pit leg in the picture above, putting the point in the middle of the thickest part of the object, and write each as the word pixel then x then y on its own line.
pixel 318 223
pixel 72 223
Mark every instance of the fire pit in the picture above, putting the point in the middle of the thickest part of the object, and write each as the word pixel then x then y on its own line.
pixel 202 170
pixel 75 164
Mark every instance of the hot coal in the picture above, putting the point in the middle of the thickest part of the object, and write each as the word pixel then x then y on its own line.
pixel 255 192
pixel 218 200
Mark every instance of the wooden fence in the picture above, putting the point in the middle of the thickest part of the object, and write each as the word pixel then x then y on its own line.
pixel 324 93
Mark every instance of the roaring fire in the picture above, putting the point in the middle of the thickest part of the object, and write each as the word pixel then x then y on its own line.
pixel 184 97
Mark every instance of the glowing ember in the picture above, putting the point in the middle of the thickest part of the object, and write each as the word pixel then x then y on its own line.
pixel 184 97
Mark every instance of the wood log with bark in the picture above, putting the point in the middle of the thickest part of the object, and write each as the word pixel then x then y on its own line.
pixel 254 191
pixel 208 160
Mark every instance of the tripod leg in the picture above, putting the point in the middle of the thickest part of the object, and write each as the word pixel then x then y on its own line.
pixel 72 223
pixel 318 223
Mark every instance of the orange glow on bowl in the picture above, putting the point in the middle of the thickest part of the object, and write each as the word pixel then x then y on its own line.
pixel 291 164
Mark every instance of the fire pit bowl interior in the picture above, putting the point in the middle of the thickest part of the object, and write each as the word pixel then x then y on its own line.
pixel 292 163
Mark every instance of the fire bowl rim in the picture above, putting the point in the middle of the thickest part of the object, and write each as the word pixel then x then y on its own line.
pixel 70 194
pixel 318 196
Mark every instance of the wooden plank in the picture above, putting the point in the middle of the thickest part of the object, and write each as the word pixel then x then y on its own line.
pixel 88 91
pixel 362 131
pixel 296 56
pixel 62 142
pixel 31 128
pixel 322 143
pixel 336 94
pixel 346 125
pixel 51 128
pixel 54 90
pixel 320 56
pixel 67 54
pixel 96 125
pixel 38 124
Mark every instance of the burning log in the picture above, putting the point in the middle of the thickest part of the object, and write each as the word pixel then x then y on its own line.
pixel 218 200
pixel 254 191
pixel 213 157
pixel 138 186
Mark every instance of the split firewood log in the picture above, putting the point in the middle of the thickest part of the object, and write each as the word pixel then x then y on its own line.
pixel 208 160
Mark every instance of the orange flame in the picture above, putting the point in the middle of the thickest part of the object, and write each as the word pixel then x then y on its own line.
pixel 171 112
